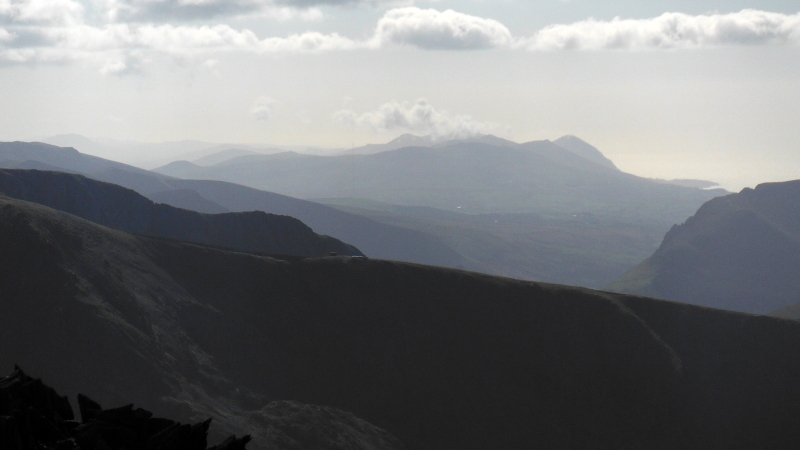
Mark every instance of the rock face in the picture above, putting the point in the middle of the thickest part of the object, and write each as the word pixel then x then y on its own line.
pixel 438 358
pixel 33 416
pixel 126 210
pixel 739 252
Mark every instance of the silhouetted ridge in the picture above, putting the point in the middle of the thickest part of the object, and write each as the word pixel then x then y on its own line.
pixel 34 416
pixel 126 210
pixel 12 154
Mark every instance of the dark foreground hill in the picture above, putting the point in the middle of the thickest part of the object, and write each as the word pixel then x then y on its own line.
pixel 442 359
pixel 739 252
pixel 126 210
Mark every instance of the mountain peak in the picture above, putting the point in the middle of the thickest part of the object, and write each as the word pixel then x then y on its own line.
pixel 584 149
pixel 408 140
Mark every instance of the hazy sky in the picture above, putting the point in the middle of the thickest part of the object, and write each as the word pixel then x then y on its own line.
pixel 671 89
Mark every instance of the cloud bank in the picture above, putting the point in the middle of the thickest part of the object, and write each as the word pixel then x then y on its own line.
pixel 419 117
pixel 187 10
pixel 45 31
pixel 669 31
pixel 433 30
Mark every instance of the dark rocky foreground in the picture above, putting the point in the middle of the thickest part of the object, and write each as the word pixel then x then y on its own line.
pixel 441 359
pixel 34 416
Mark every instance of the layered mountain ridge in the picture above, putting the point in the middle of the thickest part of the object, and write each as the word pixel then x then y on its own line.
pixel 471 176
pixel 126 210
pixel 439 358
pixel 373 238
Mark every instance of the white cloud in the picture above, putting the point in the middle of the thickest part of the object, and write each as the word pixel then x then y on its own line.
pixel 432 29
pixel 373 3
pixel 263 108
pixel 123 64
pixel 418 117
pixel 41 12
pixel 172 10
pixel 308 42
pixel 669 31
pixel 107 43
pixel 183 10
pixel 46 31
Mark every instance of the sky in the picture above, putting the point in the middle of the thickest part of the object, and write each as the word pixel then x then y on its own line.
pixel 666 89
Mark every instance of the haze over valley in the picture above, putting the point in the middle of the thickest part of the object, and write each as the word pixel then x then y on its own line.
pixel 414 225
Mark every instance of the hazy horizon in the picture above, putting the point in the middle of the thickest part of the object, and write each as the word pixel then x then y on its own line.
pixel 667 89
pixel 164 152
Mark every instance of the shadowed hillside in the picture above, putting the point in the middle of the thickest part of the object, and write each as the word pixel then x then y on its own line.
pixel 124 209
pixel 442 359
pixel 739 252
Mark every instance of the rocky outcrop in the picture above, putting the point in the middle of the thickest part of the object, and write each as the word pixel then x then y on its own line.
pixel 34 416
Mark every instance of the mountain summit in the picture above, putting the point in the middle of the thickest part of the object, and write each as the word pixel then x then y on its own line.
pixel 584 150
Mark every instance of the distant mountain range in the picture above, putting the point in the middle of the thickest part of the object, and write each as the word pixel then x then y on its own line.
pixel 439 358
pixel 123 209
pixel 478 176
pixel 739 252
pixel 151 154
pixel 375 239
pixel 586 249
